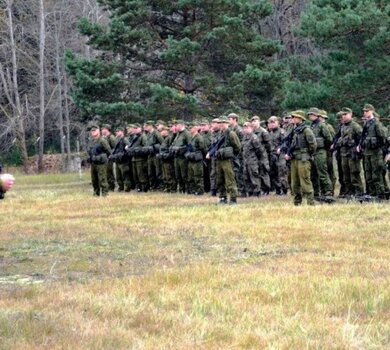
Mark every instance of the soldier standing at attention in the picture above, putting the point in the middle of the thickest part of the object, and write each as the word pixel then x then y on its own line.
pixel 265 139
pixel 167 165
pixel 153 142
pixel 213 161
pixel 98 151
pixel 230 147
pixel 350 135
pixel 106 133
pixel 207 138
pixel 278 166
pixel 178 149
pixel 237 161
pixel 302 148
pixel 320 176
pixel 195 152
pixel 253 152
pixel 372 141
pixel 122 160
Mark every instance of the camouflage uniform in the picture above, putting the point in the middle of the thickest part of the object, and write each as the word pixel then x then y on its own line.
pixel 278 166
pixel 167 165
pixel 337 152
pixel 178 149
pixel 264 168
pixel 253 152
pixel 122 163
pixel 195 155
pixel 350 135
pixel 153 142
pixel 207 137
pixel 226 181
pixel 99 150
pixel 237 163
pixel 320 176
pixel 213 165
pixel 372 140
pixel 110 164
pixel 329 157
pixel 139 161
pixel 302 148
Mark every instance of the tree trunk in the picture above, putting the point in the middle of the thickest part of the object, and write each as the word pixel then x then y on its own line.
pixel 42 37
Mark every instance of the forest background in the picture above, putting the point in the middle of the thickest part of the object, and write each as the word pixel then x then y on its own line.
pixel 65 62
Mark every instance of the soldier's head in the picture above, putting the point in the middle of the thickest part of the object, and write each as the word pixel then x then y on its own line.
pixel 94 131
pixel 160 125
pixel 273 122
pixel 255 120
pixel 195 128
pixel 180 125
pixel 119 132
pixel 164 131
pixel 368 111
pixel 233 119
pixel 323 115
pixel 149 126
pixel 215 125
pixel 287 119
pixel 205 126
pixel 137 129
pixel 346 114
pixel 247 128
pixel 223 123
pixel 106 129
pixel 313 113
pixel 298 117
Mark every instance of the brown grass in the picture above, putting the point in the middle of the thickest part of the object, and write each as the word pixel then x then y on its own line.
pixel 158 271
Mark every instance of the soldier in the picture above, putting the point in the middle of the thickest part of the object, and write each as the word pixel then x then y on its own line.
pixel 207 137
pixel 371 142
pixel 213 161
pixel 228 146
pixel 178 149
pixel 167 162
pixel 302 148
pixel 106 133
pixel 153 142
pixel 98 151
pixel 320 176
pixel 130 137
pixel 288 128
pixel 350 135
pixel 278 166
pixel 265 139
pixel 139 156
pixel 253 152
pixel 335 147
pixel 122 160
pixel 195 152
pixel 237 161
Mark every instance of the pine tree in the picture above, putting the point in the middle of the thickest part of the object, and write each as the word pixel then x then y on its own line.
pixel 176 58
pixel 352 66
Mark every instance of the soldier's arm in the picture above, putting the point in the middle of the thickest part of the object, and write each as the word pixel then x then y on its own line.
pixel 235 141
pixel 267 142
pixel 327 135
pixel 311 141
pixel 105 145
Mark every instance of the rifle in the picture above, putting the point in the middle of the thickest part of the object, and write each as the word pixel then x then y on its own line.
pixel 212 151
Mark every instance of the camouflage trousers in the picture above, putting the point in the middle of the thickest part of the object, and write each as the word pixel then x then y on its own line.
pixel 343 189
pixel 265 179
pixel 239 173
pixel 123 176
pixel 301 182
pixel 320 176
pixel 373 170
pixel 99 179
pixel 195 177
pixel 110 175
pixel 154 172
pixel 140 170
pixel 226 181
pixel 181 173
pixel 206 175
pixel 213 175
pixel 332 175
pixel 279 174
pixel 351 175
pixel 251 176
pixel 168 175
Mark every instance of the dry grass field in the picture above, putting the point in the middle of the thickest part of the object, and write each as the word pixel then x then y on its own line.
pixel 159 271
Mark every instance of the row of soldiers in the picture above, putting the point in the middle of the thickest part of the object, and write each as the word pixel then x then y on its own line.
pixel 225 158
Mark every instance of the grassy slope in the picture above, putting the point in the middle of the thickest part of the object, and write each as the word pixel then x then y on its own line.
pixel 161 271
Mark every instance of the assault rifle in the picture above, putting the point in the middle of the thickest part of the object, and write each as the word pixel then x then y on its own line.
pixel 212 152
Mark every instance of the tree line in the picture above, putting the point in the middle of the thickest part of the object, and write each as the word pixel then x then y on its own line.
pixel 66 62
